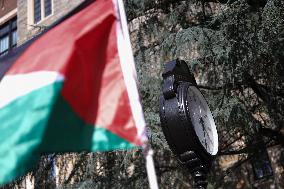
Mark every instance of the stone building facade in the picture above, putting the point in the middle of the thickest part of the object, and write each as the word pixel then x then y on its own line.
pixel 7 10
pixel 21 20
pixel 27 28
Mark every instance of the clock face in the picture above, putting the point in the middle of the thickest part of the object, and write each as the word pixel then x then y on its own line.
pixel 202 120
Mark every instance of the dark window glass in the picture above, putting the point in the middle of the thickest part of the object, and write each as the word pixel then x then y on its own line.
pixel 14 24
pixel 4 44
pixel 4 30
pixel 14 38
pixel 8 36
pixel 47 7
pixel 37 11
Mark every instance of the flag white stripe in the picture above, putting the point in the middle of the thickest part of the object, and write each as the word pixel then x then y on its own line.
pixel 15 86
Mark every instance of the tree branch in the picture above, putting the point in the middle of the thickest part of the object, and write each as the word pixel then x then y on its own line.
pixel 210 88
pixel 273 134
pixel 244 150
pixel 78 163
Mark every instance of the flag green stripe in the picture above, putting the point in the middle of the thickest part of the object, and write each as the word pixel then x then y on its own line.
pixel 67 132
pixel 40 122
pixel 23 124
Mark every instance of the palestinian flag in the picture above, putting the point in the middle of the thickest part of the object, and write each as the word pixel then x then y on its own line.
pixel 72 88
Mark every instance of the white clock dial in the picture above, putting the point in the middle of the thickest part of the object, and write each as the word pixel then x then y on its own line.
pixel 202 120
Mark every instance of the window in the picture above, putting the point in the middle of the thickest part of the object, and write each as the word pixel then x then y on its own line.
pixel 8 36
pixel 47 8
pixel 38 10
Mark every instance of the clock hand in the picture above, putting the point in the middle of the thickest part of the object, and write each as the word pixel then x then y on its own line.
pixel 208 129
pixel 209 137
pixel 206 145
pixel 201 121
pixel 206 132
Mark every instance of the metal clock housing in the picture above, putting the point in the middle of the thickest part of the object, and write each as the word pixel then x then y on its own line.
pixel 186 120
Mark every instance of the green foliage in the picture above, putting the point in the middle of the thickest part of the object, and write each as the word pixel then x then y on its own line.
pixel 235 52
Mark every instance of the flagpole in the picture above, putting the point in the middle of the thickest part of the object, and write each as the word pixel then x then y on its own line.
pixel 135 103
pixel 148 154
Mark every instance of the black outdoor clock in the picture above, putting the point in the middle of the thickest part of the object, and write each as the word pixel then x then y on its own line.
pixel 187 122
